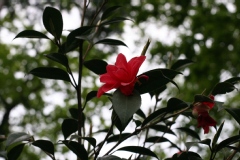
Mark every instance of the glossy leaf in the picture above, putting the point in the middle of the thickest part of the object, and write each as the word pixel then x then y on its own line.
pixel 114 20
pixel 60 58
pixel 189 132
pixel 15 152
pixel 117 137
pixel 175 104
pixel 109 157
pixel 223 88
pixel 69 126
pixel 227 142
pixel 162 128
pixel 108 12
pixel 14 138
pixel 96 65
pixel 113 42
pixel 157 79
pixel 235 113
pixel 31 34
pixel 53 22
pixel 139 150
pixel 125 106
pixel 154 115
pixel 51 73
pixel 181 63
pixel 46 146
pixel 216 136
pixel 77 149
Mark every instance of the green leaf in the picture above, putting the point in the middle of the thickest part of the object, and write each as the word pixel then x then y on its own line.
pixel 157 79
pixel 141 113
pixel 235 113
pixel 139 150
pixel 187 156
pixel 53 22
pixel 113 42
pixel 125 106
pixel 90 140
pixel 114 20
pixel 109 157
pixel 223 88
pixel 227 142
pixel 69 126
pixel 189 132
pixel 202 98
pixel 14 138
pixel 117 137
pixel 31 34
pixel 154 115
pixel 51 73
pixel 74 112
pixel 60 58
pixel 90 96
pixel 157 139
pixel 108 12
pixel 162 128
pixel 117 122
pixel 216 136
pixel 233 80
pixel 46 146
pixel 175 104
pixel 15 152
pixel 77 149
pixel 96 65
pixel 181 63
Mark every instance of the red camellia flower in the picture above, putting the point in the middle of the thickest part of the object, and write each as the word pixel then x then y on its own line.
pixel 201 109
pixel 122 75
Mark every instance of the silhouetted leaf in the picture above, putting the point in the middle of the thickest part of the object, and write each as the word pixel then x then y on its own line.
pixel 162 128
pixel 96 65
pixel 175 104
pixel 223 88
pixel 108 12
pixel 77 149
pixel 157 139
pixel 117 137
pixel 141 114
pixel 235 113
pixel 53 22
pixel 114 20
pixel 227 142
pixel 17 137
pixel 90 96
pixel 186 156
pixel 202 98
pixel 125 106
pixel 69 126
pixel 60 58
pixel 190 144
pixel 15 152
pixel 44 145
pixel 154 115
pixel 117 122
pixel 109 157
pixel 31 34
pixel 181 63
pixel 233 80
pixel 216 136
pixel 113 42
pixel 51 73
pixel 189 132
pixel 139 150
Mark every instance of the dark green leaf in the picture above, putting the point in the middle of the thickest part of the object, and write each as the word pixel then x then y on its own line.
pixel 113 42
pixel 157 139
pixel 162 128
pixel 227 142
pixel 141 114
pixel 60 58
pixel 181 63
pixel 216 136
pixel 51 73
pixel 53 22
pixel 189 132
pixel 15 152
pixel 74 112
pixel 139 150
pixel 187 156
pixel 77 148
pixel 90 96
pixel 114 20
pixel 175 104
pixel 3 154
pixel 233 80
pixel 69 126
pixel 117 137
pixel 125 106
pixel 17 137
pixel 190 144
pixel 108 12
pixel 202 98
pixel 154 115
pixel 223 88
pixel 235 113
pixel 96 65
pixel 109 157
pixel 157 79
pixel 31 34
pixel 46 146
pixel 90 140
pixel 137 122
pixel 117 122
